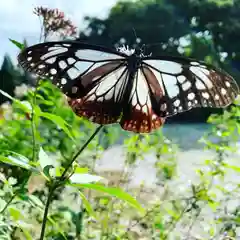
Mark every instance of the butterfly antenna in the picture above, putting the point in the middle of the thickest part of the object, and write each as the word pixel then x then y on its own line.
pixel 135 34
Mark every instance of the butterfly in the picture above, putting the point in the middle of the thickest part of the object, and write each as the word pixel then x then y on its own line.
pixel 126 86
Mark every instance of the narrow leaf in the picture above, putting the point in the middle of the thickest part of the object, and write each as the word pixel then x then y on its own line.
pixel 21 162
pixel 22 105
pixel 58 121
pixel 116 192
pixel 87 205
pixel 18 44
pixel 85 178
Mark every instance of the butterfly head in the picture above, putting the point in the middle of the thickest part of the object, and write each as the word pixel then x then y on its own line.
pixel 126 50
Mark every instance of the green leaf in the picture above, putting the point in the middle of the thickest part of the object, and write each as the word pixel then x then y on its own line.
pixel 15 213
pixel 18 44
pixel 46 171
pixel 81 170
pixel 58 121
pixel 87 205
pixel 26 233
pixel 235 168
pixel 36 201
pixel 23 105
pixel 18 161
pixel 116 192
pixel 84 178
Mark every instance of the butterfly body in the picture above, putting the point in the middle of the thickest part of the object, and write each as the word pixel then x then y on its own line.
pixel 125 86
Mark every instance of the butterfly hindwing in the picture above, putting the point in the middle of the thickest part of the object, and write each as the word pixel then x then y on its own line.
pixel 138 114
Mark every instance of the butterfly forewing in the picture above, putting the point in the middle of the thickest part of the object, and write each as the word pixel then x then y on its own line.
pixel 66 62
pixel 138 115
pixel 188 84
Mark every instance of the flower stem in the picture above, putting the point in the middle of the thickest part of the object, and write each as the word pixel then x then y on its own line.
pixel 57 183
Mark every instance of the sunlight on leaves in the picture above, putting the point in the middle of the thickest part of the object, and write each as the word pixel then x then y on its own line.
pixel 85 178
pixel 116 192
pixel 18 161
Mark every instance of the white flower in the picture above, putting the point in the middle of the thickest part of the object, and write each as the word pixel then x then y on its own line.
pixel 21 90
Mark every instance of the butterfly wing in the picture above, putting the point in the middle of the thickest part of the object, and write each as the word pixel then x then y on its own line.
pixel 94 78
pixel 66 63
pixel 187 84
pixel 103 103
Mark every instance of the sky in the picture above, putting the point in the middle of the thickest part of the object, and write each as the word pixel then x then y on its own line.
pixel 17 20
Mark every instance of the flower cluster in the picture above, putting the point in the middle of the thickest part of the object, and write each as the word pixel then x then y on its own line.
pixel 54 22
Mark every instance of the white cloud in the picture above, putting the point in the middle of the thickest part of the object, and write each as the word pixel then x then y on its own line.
pixel 18 21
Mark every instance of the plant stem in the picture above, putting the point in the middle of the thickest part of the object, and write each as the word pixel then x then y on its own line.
pixel 57 183
pixel 49 199
pixel 79 152
pixel 7 204
pixel 33 128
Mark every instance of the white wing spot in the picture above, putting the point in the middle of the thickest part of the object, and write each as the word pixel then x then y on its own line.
pixel 66 45
pixel 71 61
pixel 176 103
pixel 29 58
pixel 227 84
pixel 53 71
pixel 181 78
pixel 51 60
pixel 216 97
pixel 154 117
pixel 189 104
pixel 32 64
pixel 63 81
pixel 54 51
pixel 200 85
pixel 94 55
pixel 186 85
pixel 29 52
pixel 195 63
pixel 166 66
pixel 74 89
pixel 170 83
pixel 145 109
pixel 62 64
pixel 205 95
pixel 223 91
pixel 73 73
pixel 163 107
pixel 191 96
pixel 41 66
pixel 138 107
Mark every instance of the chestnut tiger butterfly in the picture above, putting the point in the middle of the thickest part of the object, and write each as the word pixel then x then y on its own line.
pixel 138 91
